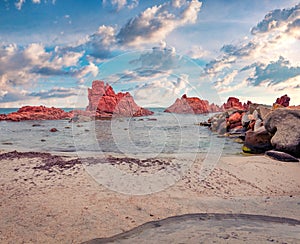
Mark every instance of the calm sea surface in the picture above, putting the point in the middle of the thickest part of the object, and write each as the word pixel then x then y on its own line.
pixel 159 133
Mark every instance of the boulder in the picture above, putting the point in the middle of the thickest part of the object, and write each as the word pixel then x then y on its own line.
pixel 37 113
pixel 218 122
pixel 104 102
pixel 235 117
pixel 234 103
pixel 192 105
pixel 281 156
pixel 257 141
pixel 53 130
pixel 283 100
pixel 284 124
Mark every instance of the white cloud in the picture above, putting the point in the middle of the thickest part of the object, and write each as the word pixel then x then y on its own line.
pixel 197 52
pixel 91 68
pixel 22 68
pixel 19 3
pixel 162 91
pixel 259 60
pixel 178 3
pixel 155 23
pixel 227 80
pixel 120 4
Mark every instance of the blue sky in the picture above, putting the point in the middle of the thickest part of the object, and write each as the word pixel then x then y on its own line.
pixel 51 50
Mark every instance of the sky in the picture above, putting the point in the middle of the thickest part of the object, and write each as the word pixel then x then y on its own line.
pixel 52 50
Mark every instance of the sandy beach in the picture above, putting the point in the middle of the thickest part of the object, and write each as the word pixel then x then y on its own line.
pixel 52 199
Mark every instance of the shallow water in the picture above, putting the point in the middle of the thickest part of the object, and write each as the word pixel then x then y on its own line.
pixel 159 133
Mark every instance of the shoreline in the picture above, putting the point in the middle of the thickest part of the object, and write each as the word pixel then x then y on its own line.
pixel 68 205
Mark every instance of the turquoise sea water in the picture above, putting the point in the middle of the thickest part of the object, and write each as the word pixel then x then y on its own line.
pixel 159 133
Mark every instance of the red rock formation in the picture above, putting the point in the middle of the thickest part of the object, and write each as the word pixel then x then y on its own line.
pixel 192 105
pixel 106 103
pixel 235 104
pixel 37 113
pixel 283 100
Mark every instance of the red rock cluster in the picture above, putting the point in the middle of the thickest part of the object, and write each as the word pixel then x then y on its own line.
pixel 234 103
pixel 37 113
pixel 192 105
pixel 283 100
pixel 106 103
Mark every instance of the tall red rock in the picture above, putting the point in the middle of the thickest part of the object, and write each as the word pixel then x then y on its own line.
pixel 192 105
pixel 37 113
pixel 106 103
pixel 234 103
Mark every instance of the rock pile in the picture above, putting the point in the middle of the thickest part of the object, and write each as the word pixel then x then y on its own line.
pixel 262 127
pixel 192 105
pixel 235 104
pixel 37 113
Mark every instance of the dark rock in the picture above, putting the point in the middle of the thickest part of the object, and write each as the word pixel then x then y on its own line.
pixel 257 141
pixel 281 156
pixel 53 130
pixel 218 122
pixel 283 101
pixel 205 124
pixel 222 128
pixel 81 118
pixel 285 125
pixel 7 143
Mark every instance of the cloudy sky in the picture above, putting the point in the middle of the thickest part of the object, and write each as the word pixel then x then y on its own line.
pixel 51 50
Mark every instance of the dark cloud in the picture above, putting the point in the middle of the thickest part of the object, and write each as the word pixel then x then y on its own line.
pixel 12 97
pixel 158 59
pixel 239 51
pixel 275 19
pixel 54 93
pixel 48 71
pixel 273 73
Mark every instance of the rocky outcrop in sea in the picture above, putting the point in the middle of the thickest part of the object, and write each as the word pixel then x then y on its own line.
pixel 192 105
pixel 37 113
pixel 105 103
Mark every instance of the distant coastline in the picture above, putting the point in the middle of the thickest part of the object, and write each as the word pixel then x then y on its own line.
pixel 10 110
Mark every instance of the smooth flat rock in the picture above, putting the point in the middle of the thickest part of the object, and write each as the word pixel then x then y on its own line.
pixel 211 228
pixel 281 156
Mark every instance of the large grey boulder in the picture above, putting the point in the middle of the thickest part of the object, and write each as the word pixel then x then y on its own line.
pixel 285 125
pixel 257 141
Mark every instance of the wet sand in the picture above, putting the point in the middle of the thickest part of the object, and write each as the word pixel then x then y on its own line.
pixel 52 199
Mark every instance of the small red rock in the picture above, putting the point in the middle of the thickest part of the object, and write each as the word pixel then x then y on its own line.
pixel 283 100
pixel 53 130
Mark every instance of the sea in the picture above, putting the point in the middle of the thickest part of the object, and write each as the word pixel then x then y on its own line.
pixel 159 133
